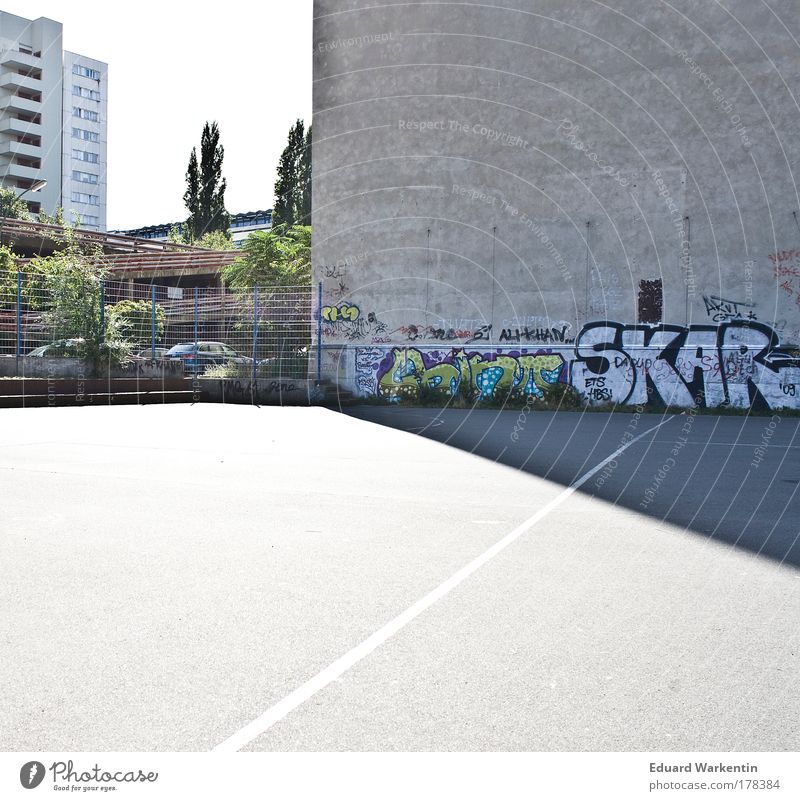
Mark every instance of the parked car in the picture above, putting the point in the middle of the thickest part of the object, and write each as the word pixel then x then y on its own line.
pixel 207 354
pixel 62 348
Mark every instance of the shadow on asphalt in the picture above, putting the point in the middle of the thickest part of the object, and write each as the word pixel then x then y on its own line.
pixel 731 479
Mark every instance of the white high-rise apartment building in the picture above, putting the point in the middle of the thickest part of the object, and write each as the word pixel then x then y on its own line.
pixel 53 121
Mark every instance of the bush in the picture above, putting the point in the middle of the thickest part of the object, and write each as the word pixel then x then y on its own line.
pixel 133 320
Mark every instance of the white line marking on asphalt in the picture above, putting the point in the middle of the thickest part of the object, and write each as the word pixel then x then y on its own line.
pixel 331 673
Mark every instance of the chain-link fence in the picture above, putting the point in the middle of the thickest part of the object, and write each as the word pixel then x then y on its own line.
pixel 214 331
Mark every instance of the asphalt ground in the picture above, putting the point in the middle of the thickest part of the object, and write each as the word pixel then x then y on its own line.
pixel 172 576
pixel 734 479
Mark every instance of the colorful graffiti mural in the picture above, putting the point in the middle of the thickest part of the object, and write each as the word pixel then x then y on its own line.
pixel 405 372
pixel 738 364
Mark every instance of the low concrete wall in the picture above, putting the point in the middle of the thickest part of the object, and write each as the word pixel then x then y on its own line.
pixel 52 368
pixel 266 392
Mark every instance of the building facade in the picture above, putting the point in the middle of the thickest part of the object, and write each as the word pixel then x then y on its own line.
pixel 602 195
pixel 242 225
pixel 53 121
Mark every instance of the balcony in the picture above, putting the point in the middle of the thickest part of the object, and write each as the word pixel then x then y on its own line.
pixel 14 171
pixel 10 149
pixel 13 80
pixel 16 103
pixel 17 60
pixel 10 125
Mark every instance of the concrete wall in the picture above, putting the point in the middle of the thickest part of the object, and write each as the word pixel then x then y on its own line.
pixel 46 367
pixel 498 183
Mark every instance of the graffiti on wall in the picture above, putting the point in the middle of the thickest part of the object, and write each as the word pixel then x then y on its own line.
pixel 348 322
pixel 345 312
pixel 737 363
pixel 404 372
pixel 721 310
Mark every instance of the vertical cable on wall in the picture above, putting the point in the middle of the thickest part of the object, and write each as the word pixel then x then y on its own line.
pixel 688 265
pixel 494 254
pixel 427 275
pixel 588 256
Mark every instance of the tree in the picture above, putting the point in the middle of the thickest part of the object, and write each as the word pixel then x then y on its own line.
pixel 191 197
pixel 288 186
pixel 205 186
pixel 272 258
pixel 12 206
pixel 303 213
pixel 65 288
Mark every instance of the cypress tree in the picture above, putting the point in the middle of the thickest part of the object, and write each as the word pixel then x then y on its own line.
pixel 205 187
pixel 287 186
pixel 303 215
pixel 192 194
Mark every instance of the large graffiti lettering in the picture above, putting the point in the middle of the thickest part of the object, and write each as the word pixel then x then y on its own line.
pixel 405 372
pixel 737 364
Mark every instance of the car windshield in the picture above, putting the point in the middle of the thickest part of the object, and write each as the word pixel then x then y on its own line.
pixel 186 348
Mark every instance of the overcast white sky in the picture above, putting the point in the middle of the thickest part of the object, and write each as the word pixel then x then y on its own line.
pixel 172 66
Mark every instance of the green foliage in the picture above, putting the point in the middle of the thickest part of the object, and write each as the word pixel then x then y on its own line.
pixel 211 240
pixel 272 258
pixel 8 278
pixel 176 236
pixel 205 187
pixel 293 187
pixel 215 240
pixel 12 206
pixel 132 320
pixel 65 288
pixel 57 218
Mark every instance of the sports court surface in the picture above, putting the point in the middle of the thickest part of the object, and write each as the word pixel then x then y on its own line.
pixel 192 578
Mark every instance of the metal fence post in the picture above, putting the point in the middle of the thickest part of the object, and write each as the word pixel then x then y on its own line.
pixel 196 326
pixel 153 321
pixel 19 314
pixel 255 334
pixel 319 333
pixel 102 311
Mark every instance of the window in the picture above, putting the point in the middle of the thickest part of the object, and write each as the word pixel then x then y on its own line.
pixel 84 177
pixel 89 219
pixel 89 200
pixel 84 155
pixel 82 133
pixel 90 94
pixel 651 301
pixel 86 72
pixel 85 114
